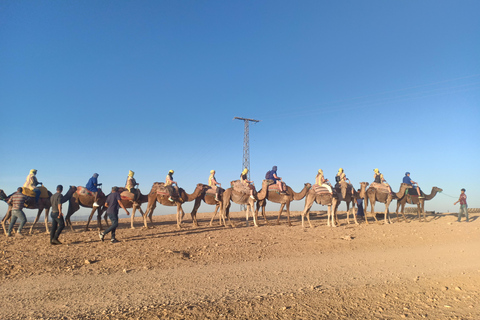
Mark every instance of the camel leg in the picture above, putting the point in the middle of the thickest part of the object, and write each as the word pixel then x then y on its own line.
pixel 254 214
pixel 149 210
pixel 47 230
pixel 134 208
pixel 227 213
pixel 5 219
pixel 264 214
pixel 333 214
pixel 180 214
pixel 36 220
pixel 89 218
pixel 288 213
pixel 214 215
pixel 306 212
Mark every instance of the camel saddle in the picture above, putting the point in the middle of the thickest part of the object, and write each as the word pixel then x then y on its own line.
pixel 412 192
pixel 338 188
pixel 84 191
pixel 320 190
pixel 380 187
pixel 127 195
pixel 43 192
pixel 162 190
pixel 273 187
pixel 209 190
pixel 238 186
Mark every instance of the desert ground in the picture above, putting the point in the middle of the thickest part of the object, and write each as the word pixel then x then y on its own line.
pixel 410 270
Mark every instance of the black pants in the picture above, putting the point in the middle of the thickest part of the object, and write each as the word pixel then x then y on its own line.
pixel 57 225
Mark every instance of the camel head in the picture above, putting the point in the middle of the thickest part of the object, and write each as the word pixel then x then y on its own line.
pixel 308 185
pixel 437 189
pixel 3 196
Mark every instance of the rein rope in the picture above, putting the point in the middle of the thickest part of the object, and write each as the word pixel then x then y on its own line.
pixel 447 195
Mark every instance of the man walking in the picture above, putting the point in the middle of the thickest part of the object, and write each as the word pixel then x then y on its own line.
pixel 17 201
pixel 58 223
pixel 463 205
pixel 113 203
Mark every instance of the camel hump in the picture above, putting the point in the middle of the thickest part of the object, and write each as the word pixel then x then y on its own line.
pixel 84 191
pixel 320 189
pixel 274 186
pixel 380 187
pixel 43 192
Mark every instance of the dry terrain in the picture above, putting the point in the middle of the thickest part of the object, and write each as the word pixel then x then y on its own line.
pixel 402 270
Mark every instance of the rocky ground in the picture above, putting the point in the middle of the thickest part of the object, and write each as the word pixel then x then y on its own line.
pixel 401 270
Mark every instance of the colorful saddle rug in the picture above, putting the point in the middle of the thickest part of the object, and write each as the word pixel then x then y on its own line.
pixel 126 195
pixel 380 187
pixel 162 190
pixel 274 187
pixel 84 191
pixel 43 192
pixel 238 186
pixel 338 187
pixel 320 189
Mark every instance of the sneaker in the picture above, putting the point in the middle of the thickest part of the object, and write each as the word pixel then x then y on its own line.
pixel 252 197
pixel 114 241
pixel 216 199
pixel 56 241
pixel 421 197
pixel 52 242
pixel 95 204
pixel 102 236
pixel 9 235
pixel 170 199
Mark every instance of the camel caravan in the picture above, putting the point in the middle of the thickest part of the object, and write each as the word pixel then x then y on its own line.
pixel 33 195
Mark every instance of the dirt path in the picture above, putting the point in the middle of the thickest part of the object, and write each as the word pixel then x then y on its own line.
pixel 395 271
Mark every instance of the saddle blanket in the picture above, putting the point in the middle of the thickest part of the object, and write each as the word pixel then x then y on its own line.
pixel 320 190
pixel 31 194
pixel 275 188
pixel 238 186
pixel 412 192
pixel 161 189
pixel 381 187
pixel 125 194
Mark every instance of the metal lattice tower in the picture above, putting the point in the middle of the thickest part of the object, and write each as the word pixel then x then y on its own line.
pixel 246 144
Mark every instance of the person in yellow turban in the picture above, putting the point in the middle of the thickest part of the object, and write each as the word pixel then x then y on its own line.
pixel 32 183
pixel 378 178
pixel 246 182
pixel 212 183
pixel 321 181
pixel 169 185
pixel 131 184
pixel 341 179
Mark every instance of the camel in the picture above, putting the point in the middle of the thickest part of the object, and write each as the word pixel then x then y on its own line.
pixel 373 195
pixel 274 195
pixel 324 199
pixel 415 200
pixel 129 202
pixel 243 198
pixel 43 203
pixel 342 189
pixel 162 198
pixel 209 198
pixel 83 198
pixel 357 195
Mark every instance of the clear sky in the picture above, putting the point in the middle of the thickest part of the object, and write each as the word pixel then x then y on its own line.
pixel 148 86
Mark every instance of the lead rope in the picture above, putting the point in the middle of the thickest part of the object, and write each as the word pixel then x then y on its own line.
pixel 441 192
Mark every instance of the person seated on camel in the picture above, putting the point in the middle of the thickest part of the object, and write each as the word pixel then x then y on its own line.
pixel 321 181
pixel 131 184
pixel 378 178
pixel 169 185
pixel 32 183
pixel 246 182
pixel 341 178
pixel 91 186
pixel 272 175
pixel 212 183
pixel 412 183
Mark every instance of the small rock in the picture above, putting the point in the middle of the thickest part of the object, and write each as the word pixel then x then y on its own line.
pixel 447 306
pixel 458 288
pixel 87 261
pixel 444 288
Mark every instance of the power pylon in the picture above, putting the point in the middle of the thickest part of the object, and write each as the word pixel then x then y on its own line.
pixel 246 144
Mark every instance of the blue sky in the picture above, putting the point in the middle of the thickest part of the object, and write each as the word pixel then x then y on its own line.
pixel 148 86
